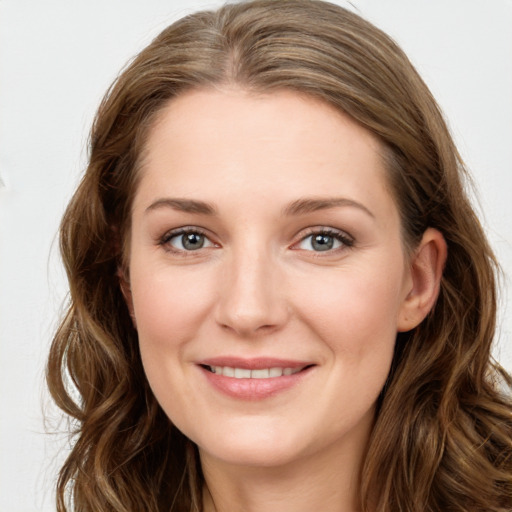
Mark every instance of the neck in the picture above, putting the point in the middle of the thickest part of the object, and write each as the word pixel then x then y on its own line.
pixel 327 482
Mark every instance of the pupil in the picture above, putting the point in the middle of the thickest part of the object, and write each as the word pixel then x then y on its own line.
pixel 322 242
pixel 193 241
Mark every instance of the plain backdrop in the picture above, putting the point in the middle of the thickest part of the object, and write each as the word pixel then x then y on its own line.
pixel 57 58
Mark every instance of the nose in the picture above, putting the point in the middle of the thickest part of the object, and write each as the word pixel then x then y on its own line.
pixel 252 295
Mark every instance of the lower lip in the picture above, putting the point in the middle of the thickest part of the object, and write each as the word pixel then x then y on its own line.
pixel 253 389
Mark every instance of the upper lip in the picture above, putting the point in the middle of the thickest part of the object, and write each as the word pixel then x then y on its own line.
pixel 256 363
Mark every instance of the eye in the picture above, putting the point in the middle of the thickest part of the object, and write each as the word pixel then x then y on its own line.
pixel 186 240
pixel 325 240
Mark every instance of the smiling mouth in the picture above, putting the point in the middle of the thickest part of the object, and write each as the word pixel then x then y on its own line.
pixel 253 379
pixel 260 373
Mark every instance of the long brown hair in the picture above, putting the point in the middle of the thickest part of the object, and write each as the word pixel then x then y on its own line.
pixel 442 440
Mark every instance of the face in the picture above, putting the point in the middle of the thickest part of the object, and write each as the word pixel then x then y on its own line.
pixel 267 275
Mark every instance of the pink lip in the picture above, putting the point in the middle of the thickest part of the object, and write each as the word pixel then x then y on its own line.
pixel 256 363
pixel 253 389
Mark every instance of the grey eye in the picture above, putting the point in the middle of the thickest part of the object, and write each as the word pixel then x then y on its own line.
pixel 189 241
pixel 319 242
pixel 322 242
pixel 192 241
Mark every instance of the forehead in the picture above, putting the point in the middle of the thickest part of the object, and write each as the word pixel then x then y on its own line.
pixel 283 144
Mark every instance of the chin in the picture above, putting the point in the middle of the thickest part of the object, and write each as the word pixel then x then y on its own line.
pixel 276 442
pixel 261 446
pixel 252 456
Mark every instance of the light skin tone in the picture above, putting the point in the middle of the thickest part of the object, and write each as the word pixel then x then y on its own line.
pixel 263 227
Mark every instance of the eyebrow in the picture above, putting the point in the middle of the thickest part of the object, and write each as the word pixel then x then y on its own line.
pixel 298 207
pixel 183 205
pixel 309 205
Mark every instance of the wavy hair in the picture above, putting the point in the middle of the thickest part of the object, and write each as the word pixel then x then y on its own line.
pixel 442 439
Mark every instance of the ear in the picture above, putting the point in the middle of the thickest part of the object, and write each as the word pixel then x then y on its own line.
pixel 426 269
pixel 124 284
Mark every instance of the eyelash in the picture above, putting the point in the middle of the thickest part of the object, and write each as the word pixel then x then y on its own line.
pixel 166 239
pixel 345 240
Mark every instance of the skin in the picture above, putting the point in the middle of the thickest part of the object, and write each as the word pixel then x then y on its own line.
pixel 259 287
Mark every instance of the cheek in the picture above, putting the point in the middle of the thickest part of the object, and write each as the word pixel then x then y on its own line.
pixel 169 305
pixel 170 309
pixel 364 304
pixel 355 315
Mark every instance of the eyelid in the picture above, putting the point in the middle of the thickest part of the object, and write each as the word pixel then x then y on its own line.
pixel 347 241
pixel 183 230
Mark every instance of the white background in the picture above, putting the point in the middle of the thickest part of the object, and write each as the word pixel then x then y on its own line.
pixel 58 57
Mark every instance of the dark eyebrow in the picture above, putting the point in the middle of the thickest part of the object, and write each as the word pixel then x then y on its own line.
pixel 309 205
pixel 183 205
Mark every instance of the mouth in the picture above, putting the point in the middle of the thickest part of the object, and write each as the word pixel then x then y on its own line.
pixel 254 379
pixel 259 373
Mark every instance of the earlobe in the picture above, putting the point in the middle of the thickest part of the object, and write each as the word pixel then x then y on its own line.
pixel 426 270
pixel 124 284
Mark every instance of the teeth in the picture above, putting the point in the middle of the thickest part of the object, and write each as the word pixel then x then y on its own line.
pixel 260 374
pixel 243 373
pixel 227 371
pixel 276 372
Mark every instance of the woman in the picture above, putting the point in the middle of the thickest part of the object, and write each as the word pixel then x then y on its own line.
pixel 281 298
